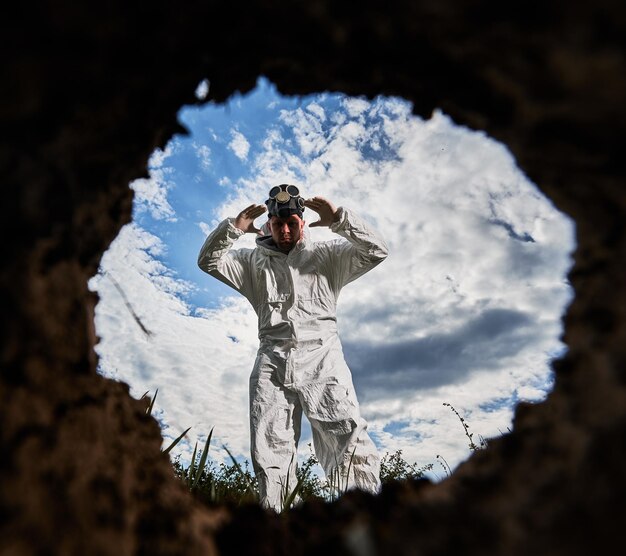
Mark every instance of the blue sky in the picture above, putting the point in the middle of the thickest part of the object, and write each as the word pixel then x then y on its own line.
pixel 466 309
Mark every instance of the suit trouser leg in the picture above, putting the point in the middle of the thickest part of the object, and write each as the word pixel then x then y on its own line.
pixel 275 424
pixel 342 445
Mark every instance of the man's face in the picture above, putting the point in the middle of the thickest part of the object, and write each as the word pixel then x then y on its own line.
pixel 286 232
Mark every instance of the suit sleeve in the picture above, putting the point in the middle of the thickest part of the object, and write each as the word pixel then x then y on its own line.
pixel 217 258
pixel 364 250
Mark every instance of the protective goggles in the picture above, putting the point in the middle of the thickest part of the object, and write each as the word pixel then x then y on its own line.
pixel 284 200
pixel 283 193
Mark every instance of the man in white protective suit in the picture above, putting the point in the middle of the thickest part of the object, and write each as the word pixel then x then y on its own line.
pixel 293 285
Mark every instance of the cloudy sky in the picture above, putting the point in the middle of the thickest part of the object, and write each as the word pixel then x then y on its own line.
pixel 465 310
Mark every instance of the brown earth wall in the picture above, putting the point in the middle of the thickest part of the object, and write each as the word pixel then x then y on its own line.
pixel 90 89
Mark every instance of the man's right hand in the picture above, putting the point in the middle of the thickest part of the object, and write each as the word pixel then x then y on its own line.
pixel 245 219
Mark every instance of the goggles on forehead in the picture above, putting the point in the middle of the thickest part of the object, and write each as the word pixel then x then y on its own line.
pixel 282 193
pixel 284 200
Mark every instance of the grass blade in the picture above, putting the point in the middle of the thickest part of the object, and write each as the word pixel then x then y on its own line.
pixel 190 469
pixel 169 448
pixel 350 467
pixel 203 459
pixel 292 496
pixel 151 406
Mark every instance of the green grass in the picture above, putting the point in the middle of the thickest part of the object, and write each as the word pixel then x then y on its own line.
pixel 234 484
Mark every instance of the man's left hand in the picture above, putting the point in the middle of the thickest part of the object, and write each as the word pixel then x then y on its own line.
pixel 327 212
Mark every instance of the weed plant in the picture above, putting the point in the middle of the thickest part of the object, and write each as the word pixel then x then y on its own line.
pixel 236 485
pixel 233 484
pixel 214 484
pixel 393 467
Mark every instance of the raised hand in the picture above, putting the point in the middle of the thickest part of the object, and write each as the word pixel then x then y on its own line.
pixel 245 219
pixel 325 209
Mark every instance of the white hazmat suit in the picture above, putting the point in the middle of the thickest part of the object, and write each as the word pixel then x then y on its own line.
pixel 300 364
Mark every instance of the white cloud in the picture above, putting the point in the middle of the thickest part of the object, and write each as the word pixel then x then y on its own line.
pixel 465 310
pixel 239 145
pixel 316 109
pixel 202 90
pixel 201 382
pixel 307 127
pixel 151 194
pixel 468 234
pixel 159 156
pixel 205 228
pixel 203 152
pixel 355 106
